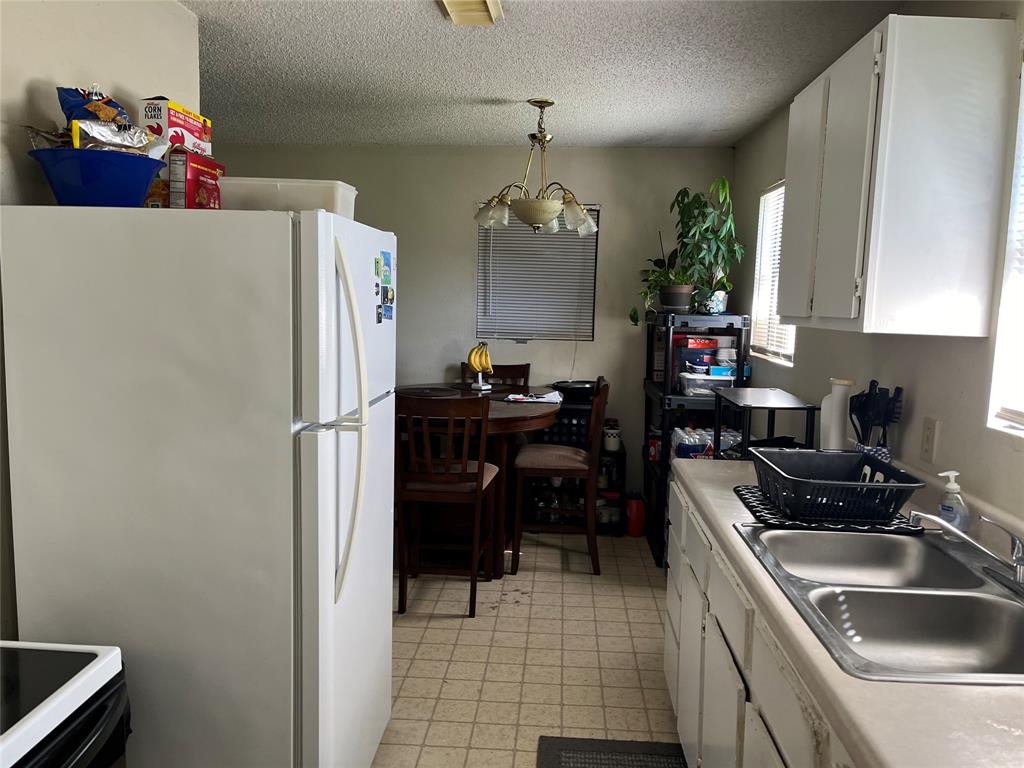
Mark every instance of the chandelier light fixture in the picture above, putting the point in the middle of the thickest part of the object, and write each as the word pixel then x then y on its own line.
pixel 539 211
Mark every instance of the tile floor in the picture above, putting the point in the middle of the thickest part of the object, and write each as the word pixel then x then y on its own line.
pixel 553 651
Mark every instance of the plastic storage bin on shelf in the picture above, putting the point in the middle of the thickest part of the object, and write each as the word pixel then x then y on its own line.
pixel 243 193
pixel 701 385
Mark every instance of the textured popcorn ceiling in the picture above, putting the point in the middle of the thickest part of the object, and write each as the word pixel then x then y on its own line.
pixel 624 72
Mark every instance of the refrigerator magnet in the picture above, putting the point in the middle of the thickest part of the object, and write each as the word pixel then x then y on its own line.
pixel 388 295
pixel 385 270
pixel 378 266
pixel 389 312
pixel 376 289
pixel 380 314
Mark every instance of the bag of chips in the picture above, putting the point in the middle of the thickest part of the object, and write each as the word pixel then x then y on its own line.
pixel 90 104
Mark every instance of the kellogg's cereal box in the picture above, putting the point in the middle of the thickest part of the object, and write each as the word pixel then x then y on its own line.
pixel 178 124
pixel 193 181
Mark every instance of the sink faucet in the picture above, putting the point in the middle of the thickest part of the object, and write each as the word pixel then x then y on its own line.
pixel 1016 561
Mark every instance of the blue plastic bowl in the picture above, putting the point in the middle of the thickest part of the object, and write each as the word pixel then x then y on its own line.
pixel 97 176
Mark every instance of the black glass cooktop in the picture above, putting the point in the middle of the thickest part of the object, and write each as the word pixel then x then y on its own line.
pixel 30 675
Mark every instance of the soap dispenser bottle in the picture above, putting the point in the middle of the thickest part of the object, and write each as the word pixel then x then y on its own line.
pixel 952 507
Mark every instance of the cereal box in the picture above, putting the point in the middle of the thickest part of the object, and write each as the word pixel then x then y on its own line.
pixel 179 124
pixel 193 181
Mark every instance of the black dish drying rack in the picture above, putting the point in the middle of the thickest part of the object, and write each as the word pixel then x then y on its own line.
pixel 843 487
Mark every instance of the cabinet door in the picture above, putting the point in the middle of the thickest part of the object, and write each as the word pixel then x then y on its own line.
pixel 805 145
pixel 759 750
pixel 724 697
pixel 845 182
pixel 690 671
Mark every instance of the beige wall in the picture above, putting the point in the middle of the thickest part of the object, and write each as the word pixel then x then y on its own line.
pixel 945 378
pixel 132 49
pixel 427 196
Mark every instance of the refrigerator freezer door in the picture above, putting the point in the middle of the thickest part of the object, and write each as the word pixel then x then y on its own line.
pixel 346 670
pixel 150 405
pixel 347 270
pixel 373 293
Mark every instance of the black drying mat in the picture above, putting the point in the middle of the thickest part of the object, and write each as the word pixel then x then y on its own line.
pixel 560 752
pixel 767 513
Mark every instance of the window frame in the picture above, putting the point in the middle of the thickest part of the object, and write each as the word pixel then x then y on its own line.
pixel 773 356
pixel 574 335
pixel 1005 413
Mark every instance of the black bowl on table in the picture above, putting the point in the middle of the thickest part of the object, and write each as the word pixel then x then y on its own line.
pixel 576 390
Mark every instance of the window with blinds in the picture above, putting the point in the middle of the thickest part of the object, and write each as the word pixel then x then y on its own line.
pixel 1006 407
pixel 534 285
pixel 769 337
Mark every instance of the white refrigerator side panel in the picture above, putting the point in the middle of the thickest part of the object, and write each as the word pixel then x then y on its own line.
pixel 367 252
pixel 149 385
pixel 357 628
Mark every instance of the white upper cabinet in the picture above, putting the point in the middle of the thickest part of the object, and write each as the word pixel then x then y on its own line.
pixel 896 163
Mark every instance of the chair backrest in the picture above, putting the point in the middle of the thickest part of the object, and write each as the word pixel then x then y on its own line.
pixel 516 374
pixel 597 409
pixel 436 440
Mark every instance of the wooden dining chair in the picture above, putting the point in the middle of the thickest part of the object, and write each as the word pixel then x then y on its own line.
pixel 546 460
pixel 440 460
pixel 516 374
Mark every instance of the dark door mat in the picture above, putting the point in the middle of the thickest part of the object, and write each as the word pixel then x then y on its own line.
pixel 559 752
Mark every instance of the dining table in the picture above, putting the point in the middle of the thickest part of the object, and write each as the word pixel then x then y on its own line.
pixel 506 420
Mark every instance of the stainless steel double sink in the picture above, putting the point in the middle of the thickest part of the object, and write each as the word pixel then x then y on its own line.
pixel 897 607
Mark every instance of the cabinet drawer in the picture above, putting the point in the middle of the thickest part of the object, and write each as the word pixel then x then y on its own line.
pixel 698 549
pixel 759 750
pixel 730 603
pixel 787 708
pixel 674 559
pixel 677 508
pixel 673 599
pixel 671 666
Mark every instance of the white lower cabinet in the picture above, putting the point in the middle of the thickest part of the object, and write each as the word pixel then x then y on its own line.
pixel 724 698
pixel 691 665
pixel 739 702
pixel 672 608
pixel 792 717
pixel 759 751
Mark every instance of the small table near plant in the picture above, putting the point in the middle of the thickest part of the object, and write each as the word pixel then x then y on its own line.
pixel 746 400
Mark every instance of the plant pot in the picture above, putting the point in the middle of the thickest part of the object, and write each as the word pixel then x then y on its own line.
pixel 676 298
pixel 717 303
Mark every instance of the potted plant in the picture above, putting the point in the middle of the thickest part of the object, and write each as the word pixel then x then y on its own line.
pixel 713 248
pixel 706 250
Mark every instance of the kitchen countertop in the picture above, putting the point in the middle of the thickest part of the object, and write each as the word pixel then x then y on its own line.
pixel 903 725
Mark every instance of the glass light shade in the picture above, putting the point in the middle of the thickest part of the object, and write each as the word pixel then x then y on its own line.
pixel 536 212
pixel 550 228
pixel 588 227
pixel 499 218
pixel 484 215
pixel 574 213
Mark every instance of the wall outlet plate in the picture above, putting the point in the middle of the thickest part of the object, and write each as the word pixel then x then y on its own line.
pixel 929 439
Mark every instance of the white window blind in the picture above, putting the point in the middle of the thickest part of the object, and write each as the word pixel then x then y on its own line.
pixel 769 337
pixel 1006 407
pixel 535 286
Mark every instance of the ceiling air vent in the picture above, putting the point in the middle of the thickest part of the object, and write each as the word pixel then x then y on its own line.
pixel 472 13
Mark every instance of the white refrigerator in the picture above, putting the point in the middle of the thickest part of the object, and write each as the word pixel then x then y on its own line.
pixel 201 442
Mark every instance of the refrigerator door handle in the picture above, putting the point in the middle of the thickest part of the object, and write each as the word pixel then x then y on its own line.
pixel 357 505
pixel 360 420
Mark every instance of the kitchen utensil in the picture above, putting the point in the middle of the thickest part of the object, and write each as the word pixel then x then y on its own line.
pixel 893 412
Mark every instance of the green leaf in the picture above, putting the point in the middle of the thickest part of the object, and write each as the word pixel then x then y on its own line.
pixel 634 316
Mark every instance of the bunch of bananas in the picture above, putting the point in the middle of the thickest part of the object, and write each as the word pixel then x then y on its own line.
pixel 480 358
